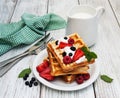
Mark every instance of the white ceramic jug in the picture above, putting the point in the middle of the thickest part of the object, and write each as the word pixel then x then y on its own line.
pixel 83 19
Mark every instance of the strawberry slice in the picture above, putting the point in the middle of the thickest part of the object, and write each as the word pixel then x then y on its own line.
pixel 63 44
pixel 41 67
pixel 46 63
pixel 47 76
pixel 78 53
pixel 46 71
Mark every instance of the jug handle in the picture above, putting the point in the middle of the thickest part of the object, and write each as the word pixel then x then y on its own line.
pixel 100 10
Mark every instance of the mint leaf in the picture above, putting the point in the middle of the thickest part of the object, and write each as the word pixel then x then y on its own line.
pixel 25 71
pixel 106 78
pixel 89 55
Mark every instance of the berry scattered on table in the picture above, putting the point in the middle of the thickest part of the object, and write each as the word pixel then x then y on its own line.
pixel 26 82
pixel 35 83
pixel 33 79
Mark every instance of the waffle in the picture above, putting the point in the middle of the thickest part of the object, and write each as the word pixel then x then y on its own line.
pixel 56 69
pixel 57 52
pixel 69 78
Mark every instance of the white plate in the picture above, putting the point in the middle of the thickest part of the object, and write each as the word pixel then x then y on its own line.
pixel 58 84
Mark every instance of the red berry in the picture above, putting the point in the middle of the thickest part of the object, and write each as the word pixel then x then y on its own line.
pixel 86 76
pixel 71 41
pixel 46 63
pixel 47 76
pixel 67 60
pixel 79 79
pixel 40 68
pixel 63 44
pixel 46 71
pixel 78 53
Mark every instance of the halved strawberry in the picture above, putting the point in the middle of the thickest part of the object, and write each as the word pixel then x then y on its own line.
pixel 41 67
pixel 46 63
pixel 63 44
pixel 78 53
pixel 46 71
pixel 47 76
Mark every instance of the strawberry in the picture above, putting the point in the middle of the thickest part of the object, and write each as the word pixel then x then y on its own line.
pixel 46 63
pixel 47 76
pixel 42 66
pixel 63 44
pixel 46 71
pixel 78 53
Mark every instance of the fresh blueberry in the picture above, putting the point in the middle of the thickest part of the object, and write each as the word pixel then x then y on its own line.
pixel 65 38
pixel 30 85
pixel 56 42
pixel 35 83
pixel 27 83
pixel 24 78
pixel 73 48
pixel 70 54
pixel 33 79
pixel 64 54
pixel 31 82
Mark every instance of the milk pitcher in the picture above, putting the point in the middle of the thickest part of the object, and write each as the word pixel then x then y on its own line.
pixel 83 19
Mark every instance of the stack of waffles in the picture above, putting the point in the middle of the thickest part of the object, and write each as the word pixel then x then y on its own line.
pixel 66 57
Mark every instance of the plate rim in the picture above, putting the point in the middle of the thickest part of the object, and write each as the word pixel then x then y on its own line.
pixel 63 88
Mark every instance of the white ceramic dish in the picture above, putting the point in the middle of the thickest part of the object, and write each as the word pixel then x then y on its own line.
pixel 58 83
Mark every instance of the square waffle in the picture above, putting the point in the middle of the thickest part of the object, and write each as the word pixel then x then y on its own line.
pixel 56 69
pixel 59 47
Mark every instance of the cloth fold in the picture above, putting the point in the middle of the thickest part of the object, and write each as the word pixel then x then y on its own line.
pixel 29 29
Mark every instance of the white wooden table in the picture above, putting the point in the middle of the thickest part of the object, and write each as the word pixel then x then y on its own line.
pixel 107 48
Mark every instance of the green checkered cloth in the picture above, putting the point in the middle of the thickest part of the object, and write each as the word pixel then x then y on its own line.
pixel 29 29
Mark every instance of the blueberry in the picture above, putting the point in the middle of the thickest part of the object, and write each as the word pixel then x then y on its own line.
pixel 64 54
pixel 33 79
pixel 31 82
pixel 30 85
pixel 26 83
pixel 26 75
pixel 65 38
pixel 73 48
pixel 24 78
pixel 70 54
pixel 56 42
pixel 35 83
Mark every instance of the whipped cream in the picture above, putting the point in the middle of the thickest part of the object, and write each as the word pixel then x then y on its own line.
pixel 80 60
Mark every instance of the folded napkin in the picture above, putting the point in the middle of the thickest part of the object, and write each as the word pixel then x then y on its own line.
pixel 29 29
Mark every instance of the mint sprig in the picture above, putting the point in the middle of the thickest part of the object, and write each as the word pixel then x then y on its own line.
pixel 106 78
pixel 88 54
pixel 24 72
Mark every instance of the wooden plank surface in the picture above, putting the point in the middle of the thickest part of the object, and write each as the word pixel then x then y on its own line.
pixel 12 86
pixel 6 10
pixel 115 6
pixel 107 48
